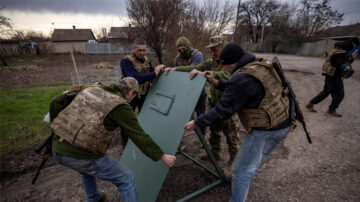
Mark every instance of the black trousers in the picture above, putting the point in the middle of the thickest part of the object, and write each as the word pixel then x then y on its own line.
pixel 201 107
pixel 335 88
pixel 138 102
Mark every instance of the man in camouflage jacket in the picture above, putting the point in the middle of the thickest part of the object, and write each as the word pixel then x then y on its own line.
pixel 83 128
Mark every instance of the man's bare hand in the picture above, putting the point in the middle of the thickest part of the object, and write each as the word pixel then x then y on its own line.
pixel 158 69
pixel 210 78
pixel 169 160
pixel 166 71
pixel 194 72
pixel 354 54
pixel 190 125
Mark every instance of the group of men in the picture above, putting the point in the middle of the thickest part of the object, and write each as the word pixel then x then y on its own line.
pixel 243 88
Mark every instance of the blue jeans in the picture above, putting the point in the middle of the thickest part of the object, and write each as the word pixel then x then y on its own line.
pixel 103 168
pixel 256 147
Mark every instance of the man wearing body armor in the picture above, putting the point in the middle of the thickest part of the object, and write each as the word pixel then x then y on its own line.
pixel 83 129
pixel 254 92
pixel 137 65
pixel 337 66
pixel 189 56
pixel 231 127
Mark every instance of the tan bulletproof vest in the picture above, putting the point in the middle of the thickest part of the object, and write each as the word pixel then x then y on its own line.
pixel 274 108
pixel 186 62
pixel 141 68
pixel 327 67
pixel 81 123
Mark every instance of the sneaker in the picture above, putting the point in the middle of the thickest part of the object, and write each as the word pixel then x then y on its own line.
pixel 333 113
pixel 310 107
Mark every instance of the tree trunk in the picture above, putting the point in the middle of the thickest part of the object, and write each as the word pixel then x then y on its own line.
pixel 159 55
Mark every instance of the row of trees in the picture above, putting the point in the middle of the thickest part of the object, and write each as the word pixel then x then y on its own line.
pixel 247 21
pixel 251 21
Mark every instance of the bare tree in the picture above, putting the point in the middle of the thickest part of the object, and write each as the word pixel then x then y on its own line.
pixel 192 24
pixel 29 35
pixel 217 18
pixel 314 16
pixel 282 26
pixel 200 22
pixel 255 15
pixel 158 20
pixel 5 25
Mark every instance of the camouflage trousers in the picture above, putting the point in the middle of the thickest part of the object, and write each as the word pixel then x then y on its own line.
pixel 230 129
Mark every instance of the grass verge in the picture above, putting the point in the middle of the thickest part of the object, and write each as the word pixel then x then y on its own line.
pixel 21 116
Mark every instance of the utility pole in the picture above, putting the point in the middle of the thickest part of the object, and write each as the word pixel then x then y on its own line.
pixel 237 20
pixel 262 36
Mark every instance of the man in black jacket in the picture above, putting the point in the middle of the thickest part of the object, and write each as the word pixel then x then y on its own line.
pixel 254 92
pixel 333 69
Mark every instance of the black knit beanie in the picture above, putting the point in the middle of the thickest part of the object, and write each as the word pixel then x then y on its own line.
pixel 231 54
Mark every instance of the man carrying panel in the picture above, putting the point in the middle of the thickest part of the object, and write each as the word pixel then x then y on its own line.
pixel 83 134
pixel 137 65
pixel 229 127
pixel 255 93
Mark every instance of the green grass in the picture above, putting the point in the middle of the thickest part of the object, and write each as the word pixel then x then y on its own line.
pixel 21 116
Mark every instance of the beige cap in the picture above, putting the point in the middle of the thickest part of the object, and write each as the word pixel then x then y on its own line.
pixel 216 40
pixel 130 83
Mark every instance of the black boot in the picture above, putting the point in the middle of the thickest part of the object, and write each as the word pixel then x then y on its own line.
pixel 333 113
pixel 310 107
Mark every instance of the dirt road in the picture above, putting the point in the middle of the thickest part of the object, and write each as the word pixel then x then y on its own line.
pixel 327 170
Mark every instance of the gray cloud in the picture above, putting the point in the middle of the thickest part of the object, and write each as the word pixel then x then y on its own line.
pixel 112 7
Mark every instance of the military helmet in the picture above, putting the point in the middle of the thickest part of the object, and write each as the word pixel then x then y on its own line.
pixel 130 83
pixel 216 40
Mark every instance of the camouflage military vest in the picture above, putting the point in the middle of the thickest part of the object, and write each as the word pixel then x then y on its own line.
pixel 274 108
pixel 81 122
pixel 327 68
pixel 215 94
pixel 141 68
pixel 186 62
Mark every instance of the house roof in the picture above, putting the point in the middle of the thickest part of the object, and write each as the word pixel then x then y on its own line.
pixel 123 32
pixel 72 35
pixel 342 31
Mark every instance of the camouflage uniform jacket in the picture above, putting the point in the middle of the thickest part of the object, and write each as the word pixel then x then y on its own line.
pixel 218 71
pixel 121 116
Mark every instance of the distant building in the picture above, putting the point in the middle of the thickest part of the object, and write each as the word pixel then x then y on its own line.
pixel 65 40
pixel 123 35
pixel 341 32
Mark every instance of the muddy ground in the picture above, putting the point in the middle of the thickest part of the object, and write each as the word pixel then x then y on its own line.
pixel 327 170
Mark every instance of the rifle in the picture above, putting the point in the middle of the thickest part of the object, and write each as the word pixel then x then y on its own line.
pixel 46 155
pixel 290 93
pixel 48 141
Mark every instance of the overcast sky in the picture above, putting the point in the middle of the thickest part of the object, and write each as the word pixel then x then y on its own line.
pixel 45 15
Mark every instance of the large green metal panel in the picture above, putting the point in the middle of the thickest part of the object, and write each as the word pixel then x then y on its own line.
pixel 168 106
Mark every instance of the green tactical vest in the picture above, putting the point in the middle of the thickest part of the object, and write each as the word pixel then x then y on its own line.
pixel 327 68
pixel 141 68
pixel 274 108
pixel 186 62
pixel 81 122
